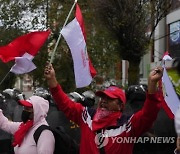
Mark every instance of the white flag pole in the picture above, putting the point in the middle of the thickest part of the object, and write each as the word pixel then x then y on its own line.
pixel 4 77
pixel 53 53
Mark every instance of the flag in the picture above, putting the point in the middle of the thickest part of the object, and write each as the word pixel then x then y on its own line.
pixel 29 43
pixel 166 56
pixel 170 101
pixel 22 50
pixel 80 20
pixel 170 97
pixel 23 65
pixel 74 34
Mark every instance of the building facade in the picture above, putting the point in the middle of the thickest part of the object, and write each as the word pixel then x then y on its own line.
pixel 167 34
pixel 166 38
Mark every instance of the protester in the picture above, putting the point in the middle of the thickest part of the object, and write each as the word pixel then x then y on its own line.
pixel 56 118
pixel 101 128
pixel 33 115
pixel 163 126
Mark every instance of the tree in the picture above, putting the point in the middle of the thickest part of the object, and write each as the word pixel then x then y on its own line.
pixel 129 20
pixel 101 48
pixel 9 29
pixel 19 17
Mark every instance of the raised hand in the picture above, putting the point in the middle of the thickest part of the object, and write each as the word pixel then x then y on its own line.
pixel 154 76
pixel 50 75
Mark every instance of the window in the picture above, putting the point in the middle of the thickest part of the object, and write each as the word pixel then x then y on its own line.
pixel 174 39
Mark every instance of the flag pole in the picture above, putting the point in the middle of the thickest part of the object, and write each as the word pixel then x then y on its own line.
pixel 53 53
pixel 4 77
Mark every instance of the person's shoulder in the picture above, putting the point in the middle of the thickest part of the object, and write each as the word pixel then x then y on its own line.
pixel 43 131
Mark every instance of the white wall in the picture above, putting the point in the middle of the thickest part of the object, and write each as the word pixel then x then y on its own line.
pixel 173 16
pixel 160 40
pixel 160 44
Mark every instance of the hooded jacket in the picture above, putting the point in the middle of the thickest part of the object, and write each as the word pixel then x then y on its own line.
pixel 46 141
pixel 116 138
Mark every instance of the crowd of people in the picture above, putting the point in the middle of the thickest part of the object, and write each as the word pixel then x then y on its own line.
pixel 99 129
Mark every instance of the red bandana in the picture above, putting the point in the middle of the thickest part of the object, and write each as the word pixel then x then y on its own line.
pixel 21 132
pixel 101 113
pixel 103 119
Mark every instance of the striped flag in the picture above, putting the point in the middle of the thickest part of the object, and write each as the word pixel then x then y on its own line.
pixel 29 43
pixel 170 99
pixel 23 49
pixel 74 34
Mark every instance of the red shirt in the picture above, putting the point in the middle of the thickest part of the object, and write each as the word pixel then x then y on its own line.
pixel 117 138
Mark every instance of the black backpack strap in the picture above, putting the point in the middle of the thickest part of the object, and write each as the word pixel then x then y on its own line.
pixel 38 132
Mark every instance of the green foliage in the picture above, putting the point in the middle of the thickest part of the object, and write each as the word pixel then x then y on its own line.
pixel 7 79
pixel 63 66
pixel 40 61
pixel 19 17
pixel 129 21
pixel 102 45
pixel 7 35
pixel 126 19
pixel 15 22
pixel 102 48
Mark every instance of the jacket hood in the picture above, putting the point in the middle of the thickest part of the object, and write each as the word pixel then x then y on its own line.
pixel 40 107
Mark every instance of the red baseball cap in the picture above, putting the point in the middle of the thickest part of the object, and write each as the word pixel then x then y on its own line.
pixel 113 92
pixel 25 103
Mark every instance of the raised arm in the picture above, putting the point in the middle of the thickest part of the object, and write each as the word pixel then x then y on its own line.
pixel 154 76
pixel 71 109
pixel 8 126
pixel 143 119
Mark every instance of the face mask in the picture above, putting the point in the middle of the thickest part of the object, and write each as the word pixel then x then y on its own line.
pixel 25 116
pixel 101 113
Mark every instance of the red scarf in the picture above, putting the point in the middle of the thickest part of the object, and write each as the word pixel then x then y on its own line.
pixel 21 132
pixel 103 119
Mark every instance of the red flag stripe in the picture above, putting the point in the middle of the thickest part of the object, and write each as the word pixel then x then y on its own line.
pixel 29 43
pixel 80 20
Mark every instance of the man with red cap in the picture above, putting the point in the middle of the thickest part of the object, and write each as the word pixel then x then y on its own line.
pixel 106 130
pixel 33 115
